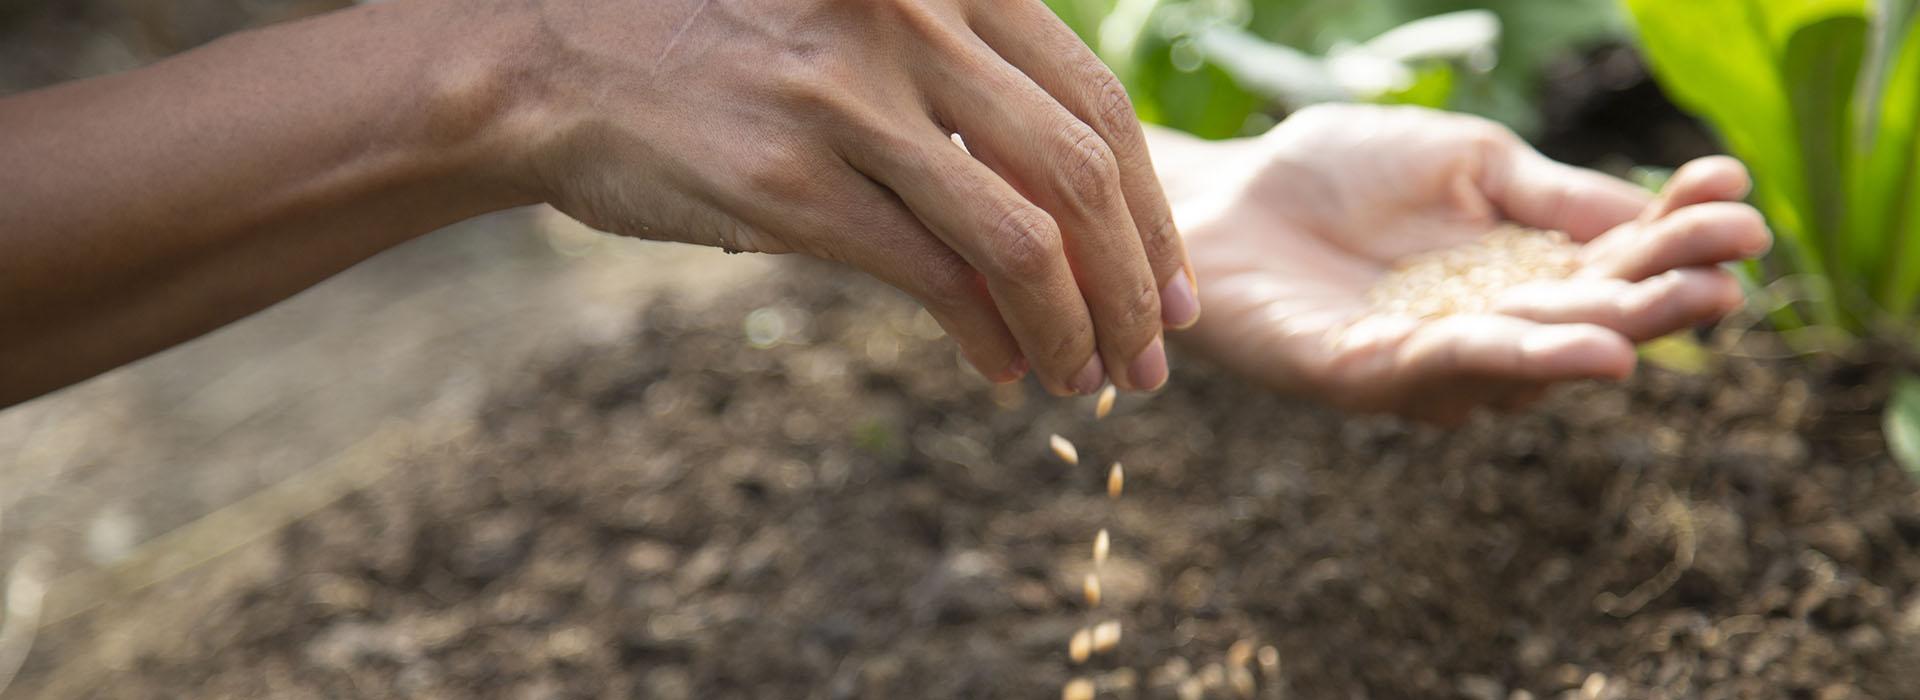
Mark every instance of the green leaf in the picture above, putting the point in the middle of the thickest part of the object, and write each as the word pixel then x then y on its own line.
pixel 1887 214
pixel 1721 59
pixel 1819 68
pixel 1901 423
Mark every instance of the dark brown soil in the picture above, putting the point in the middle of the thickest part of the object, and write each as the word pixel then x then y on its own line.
pixel 846 515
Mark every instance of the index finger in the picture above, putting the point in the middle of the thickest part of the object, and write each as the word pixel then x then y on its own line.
pixel 1027 35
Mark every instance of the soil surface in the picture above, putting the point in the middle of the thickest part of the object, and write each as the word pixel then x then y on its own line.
pixel 791 492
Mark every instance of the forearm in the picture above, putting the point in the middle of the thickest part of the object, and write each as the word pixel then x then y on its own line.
pixel 144 208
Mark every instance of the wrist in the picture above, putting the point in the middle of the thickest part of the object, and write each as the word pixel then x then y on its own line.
pixel 474 73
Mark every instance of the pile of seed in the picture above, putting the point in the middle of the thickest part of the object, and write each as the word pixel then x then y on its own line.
pixel 1468 279
pixel 1235 675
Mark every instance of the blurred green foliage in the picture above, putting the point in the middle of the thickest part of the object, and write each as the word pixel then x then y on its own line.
pixel 1820 98
pixel 1220 68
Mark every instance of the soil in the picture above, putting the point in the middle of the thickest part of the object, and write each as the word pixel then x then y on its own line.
pixel 843 514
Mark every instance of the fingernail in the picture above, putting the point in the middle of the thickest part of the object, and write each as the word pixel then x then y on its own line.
pixel 1090 377
pixel 1149 370
pixel 1014 371
pixel 1179 307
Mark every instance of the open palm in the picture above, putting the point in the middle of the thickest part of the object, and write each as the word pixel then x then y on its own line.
pixel 1288 233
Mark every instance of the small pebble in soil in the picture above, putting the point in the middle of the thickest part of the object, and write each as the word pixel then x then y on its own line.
pixel 1077 689
pixel 1470 278
pixel 1063 449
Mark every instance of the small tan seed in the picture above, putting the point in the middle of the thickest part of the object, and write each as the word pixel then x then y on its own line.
pixel 1077 689
pixel 1106 636
pixel 1240 654
pixel 1100 545
pixel 1091 588
pixel 1080 646
pixel 1064 450
pixel 1104 405
pixel 1116 480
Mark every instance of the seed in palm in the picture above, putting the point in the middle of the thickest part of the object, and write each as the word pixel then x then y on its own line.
pixel 1116 480
pixel 1468 279
pixel 1100 545
pixel 1091 589
pixel 1104 405
pixel 1063 449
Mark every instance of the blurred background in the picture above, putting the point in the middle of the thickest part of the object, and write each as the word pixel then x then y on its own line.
pixel 516 458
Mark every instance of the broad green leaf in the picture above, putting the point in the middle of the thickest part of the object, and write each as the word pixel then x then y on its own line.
pixel 1890 177
pixel 1720 59
pixel 1901 423
pixel 1819 67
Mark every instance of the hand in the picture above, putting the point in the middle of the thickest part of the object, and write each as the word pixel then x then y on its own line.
pixel 1288 233
pixel 824 127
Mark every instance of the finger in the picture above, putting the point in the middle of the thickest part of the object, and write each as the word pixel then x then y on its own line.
pixel 1017 247
pixel 903 253
pixel 1709 179
pixel 1671 301
pixel 1061 164
pixel 1534 190
pixel 1504 348
pixel 1028 36
pixel 839 214
pixel 1702 234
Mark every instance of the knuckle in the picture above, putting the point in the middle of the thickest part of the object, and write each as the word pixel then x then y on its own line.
pixel 947 285
pixel 1113 108
pixel 1025 244
pixel 1162 242
pixel 1089 171
pixel 1067 351
pixel 1143 309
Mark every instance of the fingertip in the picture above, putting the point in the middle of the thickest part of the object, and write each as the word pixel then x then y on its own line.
pixel 1179 303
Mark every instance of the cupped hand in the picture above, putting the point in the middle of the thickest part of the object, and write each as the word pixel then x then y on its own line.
pixel 1288 233
pixel 825 127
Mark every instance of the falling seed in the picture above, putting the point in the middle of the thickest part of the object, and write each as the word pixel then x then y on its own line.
pixel 1064 450
pixel 1240 654
pixel 1081 646
pixel 1092 590
pixel 1100 544
pixel 1106 636
pixel 1104 405
pixel 1077 689
pixel 1116 480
